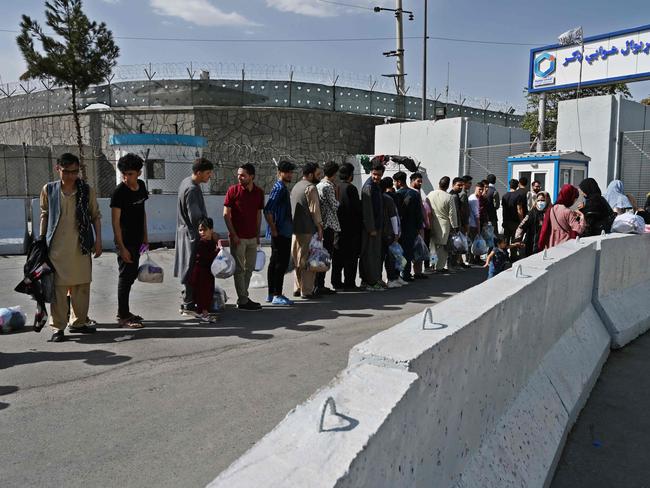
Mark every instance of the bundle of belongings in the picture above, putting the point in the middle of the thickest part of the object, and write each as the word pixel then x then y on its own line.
pixel 405 161
pixel 38 281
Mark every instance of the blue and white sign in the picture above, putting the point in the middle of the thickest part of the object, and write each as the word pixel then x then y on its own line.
pixel 621 56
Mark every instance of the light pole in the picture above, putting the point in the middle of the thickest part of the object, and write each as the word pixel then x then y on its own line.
pixel 399 51
pixel 424 65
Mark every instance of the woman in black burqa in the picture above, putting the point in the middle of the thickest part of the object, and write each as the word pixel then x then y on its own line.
pixel 597 212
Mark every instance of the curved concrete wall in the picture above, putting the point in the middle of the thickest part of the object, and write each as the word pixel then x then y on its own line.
pixel 486 399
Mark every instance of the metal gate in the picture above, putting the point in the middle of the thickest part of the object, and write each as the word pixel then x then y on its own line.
pixel 635 164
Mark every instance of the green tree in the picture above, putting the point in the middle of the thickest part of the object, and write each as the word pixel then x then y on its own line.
pixel 531 120
pixel 79 54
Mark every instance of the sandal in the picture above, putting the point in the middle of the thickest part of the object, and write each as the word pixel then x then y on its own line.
pixel 209 318
pixel 130 322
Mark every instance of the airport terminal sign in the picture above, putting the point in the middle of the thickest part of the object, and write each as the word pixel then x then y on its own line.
pixel 622 56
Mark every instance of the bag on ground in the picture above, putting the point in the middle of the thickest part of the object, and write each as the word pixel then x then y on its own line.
pixel 628 223
pixel 420 250
pixel 224 264
pixel 219 298
pixel 12 319
pixel 260 259
pixel 150 272
pixel 398 256
pixel 479 246
pixel 258 281
pixel 319 259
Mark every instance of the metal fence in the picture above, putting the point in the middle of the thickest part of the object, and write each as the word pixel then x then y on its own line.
pixel 483 160
pixel 635 164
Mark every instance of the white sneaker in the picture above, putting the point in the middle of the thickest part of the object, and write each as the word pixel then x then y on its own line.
pixel 393 284
pixel 402 282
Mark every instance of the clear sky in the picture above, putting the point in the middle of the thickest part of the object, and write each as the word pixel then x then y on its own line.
pixel 478 71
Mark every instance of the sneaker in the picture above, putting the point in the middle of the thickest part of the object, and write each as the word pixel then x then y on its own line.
pixel 249 306
pixel 188 309
pixel 393 284
pixel 402 282
pixel 281 300
pixel 269 298
pixel 58 336
pixel 375 287
pixel 84 329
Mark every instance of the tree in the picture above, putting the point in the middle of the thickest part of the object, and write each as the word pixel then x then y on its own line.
pixel 82 53
pixel 646 101
pixel 531 120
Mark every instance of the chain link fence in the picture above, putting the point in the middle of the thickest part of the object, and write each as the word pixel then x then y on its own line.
pixel 635 164
pixel 481 161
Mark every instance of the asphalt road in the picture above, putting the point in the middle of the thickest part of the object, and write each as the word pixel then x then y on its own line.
pixel 175 403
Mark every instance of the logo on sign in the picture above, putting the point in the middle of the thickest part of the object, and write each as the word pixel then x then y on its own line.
pixel 544 66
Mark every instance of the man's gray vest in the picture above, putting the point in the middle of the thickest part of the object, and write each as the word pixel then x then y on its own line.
pixel 302 221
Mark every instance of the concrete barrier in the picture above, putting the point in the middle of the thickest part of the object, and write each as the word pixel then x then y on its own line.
pixel 13 231
pixel 502 371
pixel 622 286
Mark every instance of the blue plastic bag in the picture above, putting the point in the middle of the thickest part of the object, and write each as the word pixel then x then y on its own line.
pixel 420 250
pixel 398 256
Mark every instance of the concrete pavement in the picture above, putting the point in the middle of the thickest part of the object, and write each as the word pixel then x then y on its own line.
pixel 173 404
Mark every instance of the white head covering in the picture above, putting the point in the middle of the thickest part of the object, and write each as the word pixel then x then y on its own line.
pixel 615 196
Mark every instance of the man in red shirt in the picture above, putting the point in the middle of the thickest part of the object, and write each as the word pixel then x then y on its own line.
pixel 242 211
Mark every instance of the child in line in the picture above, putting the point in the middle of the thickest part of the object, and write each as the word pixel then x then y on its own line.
pixel 201 279
pixel 498 258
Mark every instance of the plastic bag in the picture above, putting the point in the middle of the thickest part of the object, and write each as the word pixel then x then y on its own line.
pixel 420 250
pixel 459 243
pixel 12 319
pixel 319 260
pixel 628 223
pixel 398 256
pixel 150 272
pixel 433 258
pixel 260 259
pixel 224 264
pixel 488 235
pixel 479 246
pixel 219 298
pixel 258 281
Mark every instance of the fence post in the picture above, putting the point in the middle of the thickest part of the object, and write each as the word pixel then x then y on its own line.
pixel 25 169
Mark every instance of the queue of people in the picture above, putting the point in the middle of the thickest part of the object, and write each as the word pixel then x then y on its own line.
pixel 359 230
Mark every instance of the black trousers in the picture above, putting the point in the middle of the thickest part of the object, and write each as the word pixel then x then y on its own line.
pixel 328 244
pixel 389 261
pixel 278 264
pixel 345 262
pixel 128 272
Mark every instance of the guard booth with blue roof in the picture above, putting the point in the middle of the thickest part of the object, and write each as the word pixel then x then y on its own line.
pixel 552 169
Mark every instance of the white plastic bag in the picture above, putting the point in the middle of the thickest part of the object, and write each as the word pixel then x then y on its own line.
pixel 260 259
pixel 12 319
pixel 150 272
pixel 219 298
pixel 319 259
pixel 433 259
pixel 628 223
pixel 479 247
pixel 223 265
pixel 258 281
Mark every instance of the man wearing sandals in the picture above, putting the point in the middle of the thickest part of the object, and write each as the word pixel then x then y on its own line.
pixel 130 229
pixel 69 212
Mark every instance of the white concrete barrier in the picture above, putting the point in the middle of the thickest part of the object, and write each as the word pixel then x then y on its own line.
pixel 622 286
pixel 501 375
pixel 13 226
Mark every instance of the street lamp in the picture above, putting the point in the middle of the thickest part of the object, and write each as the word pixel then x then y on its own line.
pixel 399 51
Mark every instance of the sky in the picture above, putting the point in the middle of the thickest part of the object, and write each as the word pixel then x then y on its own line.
pixel 482 72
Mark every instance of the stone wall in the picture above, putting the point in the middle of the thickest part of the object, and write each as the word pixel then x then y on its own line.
pixel 235 136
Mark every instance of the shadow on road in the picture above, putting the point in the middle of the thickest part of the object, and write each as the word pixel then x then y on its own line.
pixel 94 358
pixel 6 390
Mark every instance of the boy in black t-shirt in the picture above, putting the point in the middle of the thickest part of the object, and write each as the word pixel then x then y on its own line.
pixel 130 230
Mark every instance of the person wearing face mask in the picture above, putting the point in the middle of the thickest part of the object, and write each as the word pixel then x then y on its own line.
pixel 560 222
pixel 598 215
pixel 530 228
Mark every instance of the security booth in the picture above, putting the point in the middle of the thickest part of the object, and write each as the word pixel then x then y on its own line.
pixel 552 169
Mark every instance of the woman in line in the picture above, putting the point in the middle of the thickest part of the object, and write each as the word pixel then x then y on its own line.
pixel 596 210
pixel 615 196
pixel 531 227
pixel 560 222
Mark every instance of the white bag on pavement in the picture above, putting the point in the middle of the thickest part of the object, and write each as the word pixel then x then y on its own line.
pixel 260 259
pixel 150 272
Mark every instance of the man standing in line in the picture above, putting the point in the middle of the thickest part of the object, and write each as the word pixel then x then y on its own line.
pixel 416 184
pixel 510 214
pixel 536 187
pixel 69 212
pixel 457 188
pixel 347 245
pixel 190 210
pixel 465 209
pixel 410 209
pixel 390 232
pixel 329 204
pixel 493 201
pixel 129 221
pixel 475 215
pixel 242 212
pixel 280 229
pixel 522 198
pixel 373 216
pixel 307 221
pixel 443 222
